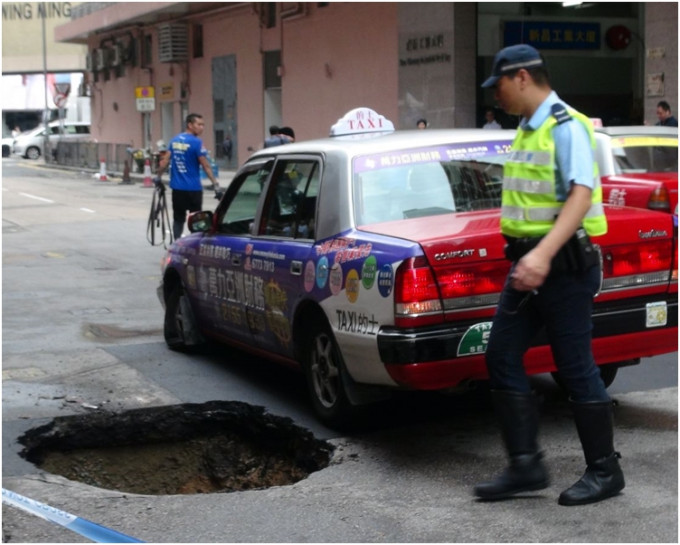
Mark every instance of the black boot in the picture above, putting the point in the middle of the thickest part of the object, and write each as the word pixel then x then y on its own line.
pixel 518 418
pixel 603 477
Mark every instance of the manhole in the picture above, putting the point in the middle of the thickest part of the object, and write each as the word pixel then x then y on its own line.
pixel 179 449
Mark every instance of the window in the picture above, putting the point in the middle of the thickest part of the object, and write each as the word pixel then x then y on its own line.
pixel 243 199
pixel 290 210
pixel 197 41
pixel 638 155
pixel 147 50
pixel 427 182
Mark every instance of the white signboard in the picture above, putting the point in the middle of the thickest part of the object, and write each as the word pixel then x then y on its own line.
pixel 146 104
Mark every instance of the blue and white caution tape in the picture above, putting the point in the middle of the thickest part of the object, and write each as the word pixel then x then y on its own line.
pixel 84 527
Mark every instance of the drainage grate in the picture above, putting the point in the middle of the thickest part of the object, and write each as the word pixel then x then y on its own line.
pixel 180 449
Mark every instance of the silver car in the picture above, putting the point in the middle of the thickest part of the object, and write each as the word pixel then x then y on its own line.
pixel 30 144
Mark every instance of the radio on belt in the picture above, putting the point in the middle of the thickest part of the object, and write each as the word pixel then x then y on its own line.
pixel 363 122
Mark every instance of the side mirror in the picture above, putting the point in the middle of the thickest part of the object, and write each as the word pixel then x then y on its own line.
pixel 200 222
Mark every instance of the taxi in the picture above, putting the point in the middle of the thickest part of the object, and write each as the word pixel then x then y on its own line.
pixel 372 260
pixel 639 166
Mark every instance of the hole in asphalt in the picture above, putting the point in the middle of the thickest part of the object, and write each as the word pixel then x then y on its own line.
pixel 179 449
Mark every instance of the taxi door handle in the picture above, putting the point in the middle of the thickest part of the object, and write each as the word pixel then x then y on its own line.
pixel 296 268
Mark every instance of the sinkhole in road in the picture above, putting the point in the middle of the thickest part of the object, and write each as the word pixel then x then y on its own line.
pixel 218 446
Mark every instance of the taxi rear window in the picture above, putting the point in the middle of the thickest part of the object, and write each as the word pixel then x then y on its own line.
pixel 423 182
pixel 642 154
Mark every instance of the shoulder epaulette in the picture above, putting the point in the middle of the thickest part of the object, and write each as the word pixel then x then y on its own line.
pixel 560 113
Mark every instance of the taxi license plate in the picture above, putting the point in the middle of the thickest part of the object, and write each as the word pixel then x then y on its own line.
pixel 657 314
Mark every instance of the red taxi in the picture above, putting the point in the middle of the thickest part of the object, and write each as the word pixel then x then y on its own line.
pixel 373 261
pixel 639 166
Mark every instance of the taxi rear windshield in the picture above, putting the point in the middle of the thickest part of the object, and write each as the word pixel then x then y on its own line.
pixel 423 182
pixel 643 154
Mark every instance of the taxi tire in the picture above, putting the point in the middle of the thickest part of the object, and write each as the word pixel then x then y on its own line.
pixel 326 378
pixel 173 324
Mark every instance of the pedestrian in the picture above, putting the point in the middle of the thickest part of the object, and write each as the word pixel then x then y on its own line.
pixel 421 124
pixel 663 112
pixel 551 204
pixel 287 133
pixel 228 147
pixel 491 122
pixel 185 156
pixel 16 131
pixel 275 138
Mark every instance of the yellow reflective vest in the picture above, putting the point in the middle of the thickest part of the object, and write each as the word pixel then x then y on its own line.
pixel 529 202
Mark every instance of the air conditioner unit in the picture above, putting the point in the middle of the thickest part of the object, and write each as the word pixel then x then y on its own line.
pixel 173 42
pixel 117 55
pixel 89 61
pixel 100 59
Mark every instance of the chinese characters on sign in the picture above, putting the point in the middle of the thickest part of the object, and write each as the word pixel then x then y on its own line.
pixel 424 49
pixel 553 35
pixel 145 99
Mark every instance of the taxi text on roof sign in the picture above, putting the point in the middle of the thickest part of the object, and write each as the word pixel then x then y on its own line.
pixel 361 121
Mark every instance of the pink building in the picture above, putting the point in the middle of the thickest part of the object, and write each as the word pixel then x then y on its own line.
pixel 246 66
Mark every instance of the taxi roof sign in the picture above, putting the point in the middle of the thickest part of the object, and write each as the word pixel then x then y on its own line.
pixel 361 121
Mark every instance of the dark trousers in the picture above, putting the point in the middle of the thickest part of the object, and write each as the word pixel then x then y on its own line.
pixel 564 306
pixel 183 201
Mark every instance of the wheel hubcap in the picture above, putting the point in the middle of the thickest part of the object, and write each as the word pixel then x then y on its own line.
pixel 325 372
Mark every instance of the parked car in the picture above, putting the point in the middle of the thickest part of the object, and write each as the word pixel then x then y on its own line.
pixel 30 144
pixel 373 260
pixel 639 166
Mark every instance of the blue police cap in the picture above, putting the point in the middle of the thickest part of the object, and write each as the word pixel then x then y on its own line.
pixel 511 59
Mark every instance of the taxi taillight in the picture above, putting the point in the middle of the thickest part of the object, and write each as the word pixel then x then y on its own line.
pixel 640 265
pixel 659 200
pixel 462 285
pixel 416 295
pixel 423 295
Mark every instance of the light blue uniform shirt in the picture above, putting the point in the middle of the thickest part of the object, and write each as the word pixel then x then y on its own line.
pixel 573 153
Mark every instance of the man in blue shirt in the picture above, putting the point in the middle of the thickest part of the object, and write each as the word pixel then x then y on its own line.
pixel 186 155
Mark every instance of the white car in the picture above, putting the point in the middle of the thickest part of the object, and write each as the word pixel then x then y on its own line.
pixel 30 144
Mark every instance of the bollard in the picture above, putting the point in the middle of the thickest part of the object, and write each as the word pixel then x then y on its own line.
pixel 126 174
pixel 102 170
pixel 147 174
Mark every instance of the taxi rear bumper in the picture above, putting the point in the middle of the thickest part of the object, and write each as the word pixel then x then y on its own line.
pixel 430 358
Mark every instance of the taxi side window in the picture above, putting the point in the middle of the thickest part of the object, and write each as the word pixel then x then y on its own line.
pixel 290 209
pixel 243 198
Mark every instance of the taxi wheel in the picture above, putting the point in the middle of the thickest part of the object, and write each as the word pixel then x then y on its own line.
pixel 324 371
pixel 607 372
pixel 174 326
pixel 33 153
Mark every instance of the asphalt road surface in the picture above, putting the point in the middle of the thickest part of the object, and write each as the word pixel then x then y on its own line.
pixel 82 328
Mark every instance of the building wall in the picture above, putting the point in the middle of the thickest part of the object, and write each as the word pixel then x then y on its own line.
pixel 661 41
pixel 338 58
pixel 403 59
pixel 22 43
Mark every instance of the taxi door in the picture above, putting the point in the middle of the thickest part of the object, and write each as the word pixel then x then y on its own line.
pixel 280 250
pixel 226 288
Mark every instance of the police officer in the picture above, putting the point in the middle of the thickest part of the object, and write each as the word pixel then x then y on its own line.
pixel 551 204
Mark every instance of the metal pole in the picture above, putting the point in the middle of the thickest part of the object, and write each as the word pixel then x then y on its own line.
pixel 46 114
